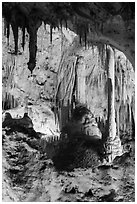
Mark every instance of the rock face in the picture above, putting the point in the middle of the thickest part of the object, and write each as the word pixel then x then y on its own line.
pixel 97 22
pixel 24 122
pixel 82 125
pixel 18 83
pixel 70 85
pixel 40 117
pixel 65 69
pixel 29 175
pixel 95 86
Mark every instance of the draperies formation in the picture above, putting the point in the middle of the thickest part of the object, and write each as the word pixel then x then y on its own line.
pixel 84 79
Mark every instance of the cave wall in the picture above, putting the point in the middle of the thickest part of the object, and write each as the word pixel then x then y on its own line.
pixel 89 85
pixel 74 61
pixel 19 86
pixel 107 23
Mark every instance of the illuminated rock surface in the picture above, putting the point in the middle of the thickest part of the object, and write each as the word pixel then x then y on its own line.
pixel 69 66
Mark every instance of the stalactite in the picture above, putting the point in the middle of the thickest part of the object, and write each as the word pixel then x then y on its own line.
pixel 66 23
pixel 32 29
pixel 51 27
pixel 61 24
pixel 102 27
pixel 80 39
pixel 91 80
pixel 8 33
pixel 133 122
pixel 15 33
pixel 85 39
pixel 23 37
pixel 100 79
pixel 5 27
pixel 97 82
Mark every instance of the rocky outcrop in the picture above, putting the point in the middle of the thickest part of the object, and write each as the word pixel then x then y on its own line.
pixel 23 122
pixel 39 116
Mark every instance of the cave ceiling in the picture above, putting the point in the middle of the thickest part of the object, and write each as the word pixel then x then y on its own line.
pixel 110 23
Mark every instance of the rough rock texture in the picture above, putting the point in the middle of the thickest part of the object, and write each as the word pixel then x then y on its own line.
pixel 82 125
pixel 18 83
pixel 109 23
pixel 94 86
pixel 38 164
pixel 42 118
pixel 30 172
pixel 86 81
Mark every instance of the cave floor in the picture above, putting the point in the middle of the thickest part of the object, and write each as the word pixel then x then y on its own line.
pixel 29 175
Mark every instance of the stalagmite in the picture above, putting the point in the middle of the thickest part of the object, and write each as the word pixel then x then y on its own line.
pixel 111 102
